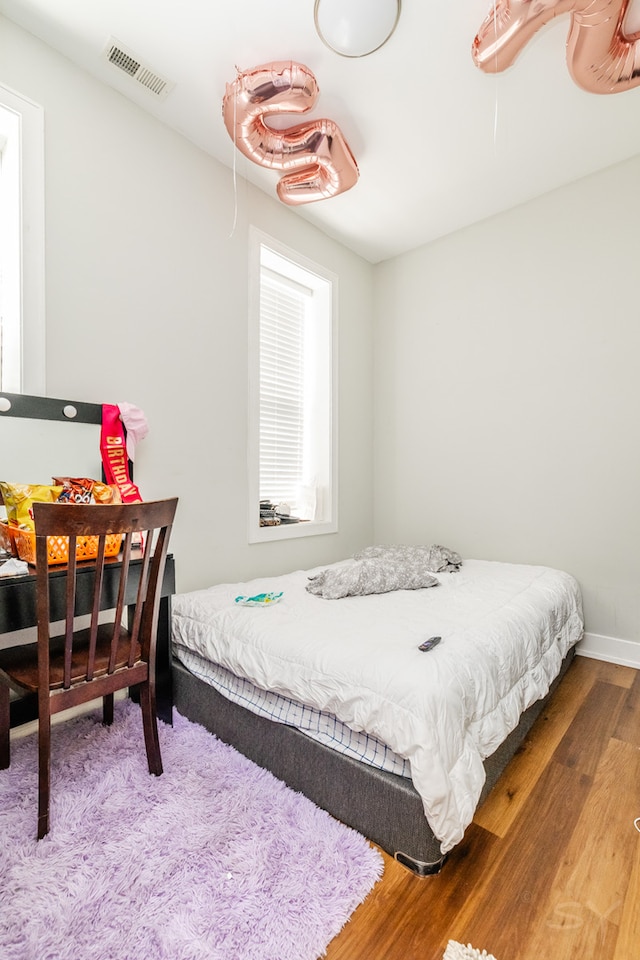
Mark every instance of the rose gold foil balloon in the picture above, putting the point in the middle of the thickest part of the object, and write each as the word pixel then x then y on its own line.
pixel 314 156
pixel 600 56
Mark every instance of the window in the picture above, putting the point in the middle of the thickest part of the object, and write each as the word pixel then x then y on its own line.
pixel 292 420
pixel 21 245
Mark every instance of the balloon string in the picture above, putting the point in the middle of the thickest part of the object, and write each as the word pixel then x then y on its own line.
pixel 495 106
pixel 235 154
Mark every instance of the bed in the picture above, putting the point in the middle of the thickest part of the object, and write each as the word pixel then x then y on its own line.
pixel 335 697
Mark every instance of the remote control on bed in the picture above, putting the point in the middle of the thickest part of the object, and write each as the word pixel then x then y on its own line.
pixel 429 644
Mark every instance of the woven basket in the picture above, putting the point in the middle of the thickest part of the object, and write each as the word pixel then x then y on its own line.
pixel 7 538
pixel 58 547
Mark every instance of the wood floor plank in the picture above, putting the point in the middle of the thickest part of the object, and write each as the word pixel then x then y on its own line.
pixel 628 942
pixel 584 904
pixel 628 726
pixel 513 789
pixel 505 906
pixel 407 916
pixel 615 673
pixel 561 881
pixel 572 932
pixel 594 723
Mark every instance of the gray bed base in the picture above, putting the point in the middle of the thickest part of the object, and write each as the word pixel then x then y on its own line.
pixel 382 806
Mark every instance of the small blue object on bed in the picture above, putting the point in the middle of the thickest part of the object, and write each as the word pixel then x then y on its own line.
pixel 259 599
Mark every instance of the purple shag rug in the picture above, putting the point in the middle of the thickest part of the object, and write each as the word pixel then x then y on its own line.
pixel 214 860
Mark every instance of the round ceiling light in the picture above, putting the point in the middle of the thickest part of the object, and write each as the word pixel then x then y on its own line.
pixel 355 28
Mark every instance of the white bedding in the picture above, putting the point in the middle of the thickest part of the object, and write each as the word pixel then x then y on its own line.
pixel 505 629
pixel 315 724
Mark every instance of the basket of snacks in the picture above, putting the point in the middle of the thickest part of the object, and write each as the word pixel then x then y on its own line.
pixel 19 531
pixel 58 547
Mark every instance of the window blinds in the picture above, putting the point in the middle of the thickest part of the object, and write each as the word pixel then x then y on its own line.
pixel 283 308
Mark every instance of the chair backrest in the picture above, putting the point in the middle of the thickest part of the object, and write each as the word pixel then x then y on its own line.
pixel 136 588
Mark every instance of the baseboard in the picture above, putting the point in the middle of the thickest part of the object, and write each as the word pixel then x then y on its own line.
pixel 624 652
pixel 27 728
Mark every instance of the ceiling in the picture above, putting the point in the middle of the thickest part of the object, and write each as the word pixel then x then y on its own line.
pixel 439 144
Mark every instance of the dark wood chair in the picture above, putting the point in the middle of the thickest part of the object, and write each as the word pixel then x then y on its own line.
pixel 95 658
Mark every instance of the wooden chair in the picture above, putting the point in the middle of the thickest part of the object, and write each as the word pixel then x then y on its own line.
pixel 95 659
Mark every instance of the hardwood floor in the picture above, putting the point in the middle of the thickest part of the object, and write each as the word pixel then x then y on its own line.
pixel 550 867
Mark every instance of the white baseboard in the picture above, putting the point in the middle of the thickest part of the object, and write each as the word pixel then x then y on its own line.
pixel 32 725
pixel 624 652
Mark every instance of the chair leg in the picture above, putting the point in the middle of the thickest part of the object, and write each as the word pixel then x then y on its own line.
pixel 150 726
pixel 44 765
pixel 107 709
pixel 5 723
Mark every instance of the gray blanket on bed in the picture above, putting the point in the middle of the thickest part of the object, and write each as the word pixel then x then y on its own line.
pixel 382 569
pixel 436 558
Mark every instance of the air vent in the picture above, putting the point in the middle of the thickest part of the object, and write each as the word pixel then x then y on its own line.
pixel 126 61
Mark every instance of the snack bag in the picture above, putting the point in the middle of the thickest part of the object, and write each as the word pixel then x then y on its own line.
pixel 9 502
pixel 106 492
pixel 86 490
pixel 22 496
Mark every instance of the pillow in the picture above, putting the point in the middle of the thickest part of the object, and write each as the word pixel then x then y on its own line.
pixel 371 575
pixel 437 559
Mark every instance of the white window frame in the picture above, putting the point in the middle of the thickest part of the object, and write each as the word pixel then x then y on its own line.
pixel 328 281
pixel 24 159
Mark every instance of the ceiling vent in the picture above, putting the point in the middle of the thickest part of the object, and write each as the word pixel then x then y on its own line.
pixel 127 61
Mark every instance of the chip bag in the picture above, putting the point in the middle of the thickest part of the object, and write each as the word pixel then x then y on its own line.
pixel 86 490
pixel 20 497
pixel 9 502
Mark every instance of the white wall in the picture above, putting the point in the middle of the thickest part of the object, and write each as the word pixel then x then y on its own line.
pixel 146 301
pixel 506 392
pixel 508 397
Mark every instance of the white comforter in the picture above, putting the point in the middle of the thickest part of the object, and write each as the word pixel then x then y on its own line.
pixel 505 629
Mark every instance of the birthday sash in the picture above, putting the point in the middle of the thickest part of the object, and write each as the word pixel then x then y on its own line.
pixel 113 447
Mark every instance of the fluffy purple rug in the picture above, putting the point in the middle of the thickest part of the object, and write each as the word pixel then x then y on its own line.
pixel 214 860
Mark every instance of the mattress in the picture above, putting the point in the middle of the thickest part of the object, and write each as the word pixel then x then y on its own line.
pixel 323 727
pixel 505 630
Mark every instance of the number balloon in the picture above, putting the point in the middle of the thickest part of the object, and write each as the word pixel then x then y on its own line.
pixel 600 56
pixel 314 156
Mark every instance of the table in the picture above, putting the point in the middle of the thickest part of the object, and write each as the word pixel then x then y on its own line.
pixel 18 611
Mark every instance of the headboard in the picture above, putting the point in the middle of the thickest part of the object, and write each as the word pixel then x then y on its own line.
pixel 42 437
